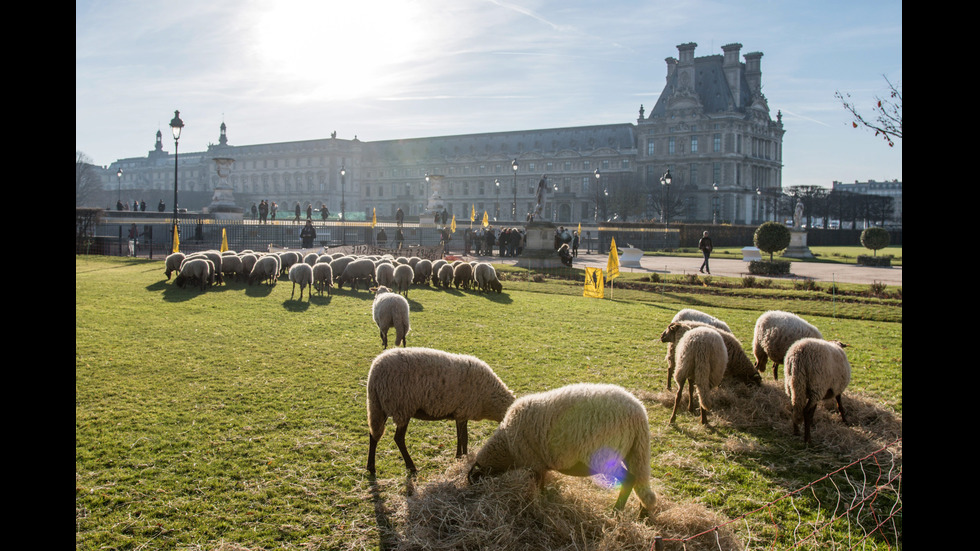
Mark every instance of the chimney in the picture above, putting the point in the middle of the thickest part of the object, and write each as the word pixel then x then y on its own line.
pixel 753 71
pixel 733 71
pixel 685 66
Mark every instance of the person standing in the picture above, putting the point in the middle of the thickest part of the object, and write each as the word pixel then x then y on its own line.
pixel 399 216
pixel 309 211
pixel 297 212
pixel 308 235
pixel 273 210
pixel 133 236
pixel 263 210
pixel 399 239
pixel 705 245
pixel 575 243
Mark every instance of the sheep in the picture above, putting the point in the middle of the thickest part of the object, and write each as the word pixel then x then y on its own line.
pixel 338 264
pixel 384 274
pixel 423 271
pixel 322 277
pixel 231 265
pixel 701 359
pixel 361 269
pixel 173 263
pixel 301 274
pixel 486 277
pixel 463 275
pixel 430 385
pixel 578 430
pixel 248 261
pixel 403 276
pixel 436 265
pixel 216 260
pixel 738 368
pixel 200 269
pixel 775 331
pixel 265 269
pixel 446 275
pixel 390 310
pixel 690 314
pixel 815 370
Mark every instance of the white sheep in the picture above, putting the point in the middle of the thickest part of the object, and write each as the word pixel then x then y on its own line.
pixel 231 265
pixel 430 385
pixel 815 370
pixel 738 368
pixel 384 274
pixel 301 274
pixel 423 271
pixel 248 261
pixel 701 360
pixel 265 268
pixel 775 331
pixel 577 430
pixel 463 275
pixel 390 310
pixel 287 259
pixel 173 263
pixel 322 277
pixel 360 269
pixel 485 276
pixel 445 275
pixel 690 314
pixel 403 277
pixel 196 269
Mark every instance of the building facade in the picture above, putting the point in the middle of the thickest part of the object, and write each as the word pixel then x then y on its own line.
pixel 892 188
pixel 710 127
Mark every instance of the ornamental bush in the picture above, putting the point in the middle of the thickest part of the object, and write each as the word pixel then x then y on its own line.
pixel 875 238
pixel 771 237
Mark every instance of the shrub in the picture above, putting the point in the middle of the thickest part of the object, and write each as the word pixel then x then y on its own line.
pixel 875 238
pixel 769 267
pixel 748 282
pixel 865 260
pixel 771 237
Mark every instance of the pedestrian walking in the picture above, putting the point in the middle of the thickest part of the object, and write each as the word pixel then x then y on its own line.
pixel 705 245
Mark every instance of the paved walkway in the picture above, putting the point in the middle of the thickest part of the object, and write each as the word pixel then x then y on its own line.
pixel 726 267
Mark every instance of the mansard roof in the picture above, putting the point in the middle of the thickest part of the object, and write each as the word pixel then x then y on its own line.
pixel 710 86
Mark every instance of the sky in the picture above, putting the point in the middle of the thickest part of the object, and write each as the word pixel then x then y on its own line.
pixel 289 70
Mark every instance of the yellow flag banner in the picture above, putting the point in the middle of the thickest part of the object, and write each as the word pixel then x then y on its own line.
pixel 612 265
pixel 452 225
pixel 374 217
pixel 224 240
pixel 176 240
pixel 472 213
pixel 579 232
pixel 486 219
pixel 594 282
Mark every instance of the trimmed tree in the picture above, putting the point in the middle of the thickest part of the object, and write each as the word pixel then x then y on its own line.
pixel 771 237
pixel 875 238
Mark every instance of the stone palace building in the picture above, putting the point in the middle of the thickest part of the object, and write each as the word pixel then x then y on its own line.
pixel 710 127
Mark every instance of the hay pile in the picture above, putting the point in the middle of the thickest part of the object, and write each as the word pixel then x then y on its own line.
pixel 509 512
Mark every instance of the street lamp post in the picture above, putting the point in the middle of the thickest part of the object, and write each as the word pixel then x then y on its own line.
pixel 175 126
pixel 496 184
pixel 513 166
pixel 714 204
pixel 118 185
pixel 343 207
pixel 665 182
pixel 595 212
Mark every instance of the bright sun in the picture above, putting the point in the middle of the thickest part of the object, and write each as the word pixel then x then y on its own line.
pixel 337 50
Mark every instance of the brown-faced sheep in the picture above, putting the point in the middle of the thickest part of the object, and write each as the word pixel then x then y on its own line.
pixel 577 430
pixel 173 263
pixel 701 360
pixel 815 370
pixel 775 331
pixel 430 385
pixel 690 314
pixel 739 367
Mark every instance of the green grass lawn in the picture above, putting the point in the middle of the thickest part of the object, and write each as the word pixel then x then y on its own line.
pixel 235 418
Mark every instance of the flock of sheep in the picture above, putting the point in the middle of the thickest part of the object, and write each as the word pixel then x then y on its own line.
pixel 596 429
pixel 579 429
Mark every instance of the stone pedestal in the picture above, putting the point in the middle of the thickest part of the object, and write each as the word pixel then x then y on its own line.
pixel 539 252
pixel 223 205
pixel 797 245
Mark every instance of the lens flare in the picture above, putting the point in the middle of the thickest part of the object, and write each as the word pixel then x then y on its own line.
pixel 607 468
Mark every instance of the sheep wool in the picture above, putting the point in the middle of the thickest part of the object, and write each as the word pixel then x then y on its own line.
pixel 738 368
pixel 265 269
pixel 701 360
pixel 384 274
pixel 775 331
pixel 196 270
pixel 301 274
pixel 577 430
pixel 463 275
pixel 485 277
pixel 430 385
pixel 360 269
pixel 174 260
pixel 403 277
pixel 390 310
pixel 815 370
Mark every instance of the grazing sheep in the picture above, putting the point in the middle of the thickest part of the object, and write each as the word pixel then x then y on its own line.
pixel 266 268
pixel 173 263
pixel 815 370
pixel 430 385
pixel 216 261
pixel 738 368
pixel 445 275
pixel 231 265
pixel 301 274
pixel 423 271
pixel 339 264
pixel 775 331
pixel 384 274
pixel 701 360
pixel 690 314
pixel 437 264
pixel 194 270
pixel 403 276
pixel 390 310
pixel 286 261
pixel 322 277
pixel 248 261
pixel 577 430
pixel 361 269
pixel 463 275
pixel 486 277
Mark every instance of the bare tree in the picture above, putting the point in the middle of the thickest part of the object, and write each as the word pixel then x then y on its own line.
pixel 887 121
pixel 88 186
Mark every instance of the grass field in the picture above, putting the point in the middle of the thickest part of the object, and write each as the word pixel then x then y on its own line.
pixel 235 418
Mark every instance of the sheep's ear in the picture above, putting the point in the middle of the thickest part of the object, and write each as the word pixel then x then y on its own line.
pixel 841 344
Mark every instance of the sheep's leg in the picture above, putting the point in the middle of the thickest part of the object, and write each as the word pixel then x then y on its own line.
pixel 400 441
pixel 628 482
pixel 372 447
pixel 775 371
pixel 760 360
pixel 690 396
pixel 811 407
pixel 840 409
pixel 677 401
pixel 384 338
pixel 462 438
